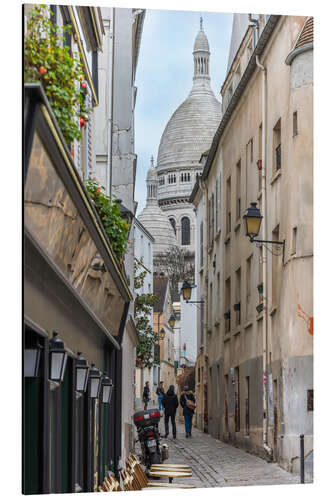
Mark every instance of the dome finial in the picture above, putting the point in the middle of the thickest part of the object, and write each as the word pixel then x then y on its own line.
pixel 152 161
pixel 201 23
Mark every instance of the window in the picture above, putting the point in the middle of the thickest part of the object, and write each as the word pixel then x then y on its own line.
pixel 172 179
pixel 185 177
pixel 237 400
pixel 295 128
pixel 276 271
pixel 259 163
pixel 161 181
pixel 294 241
pixel 227 298
pixel 211 302
pixel 186 238
pixel 277 145
pixel 228 211
pixel 248 285
pixel 218 224
pixel 247 405
pixel 310 399
pixel 218 298
pixel 238 295
pixel 173 224
pixel 238 190
pixel 201 244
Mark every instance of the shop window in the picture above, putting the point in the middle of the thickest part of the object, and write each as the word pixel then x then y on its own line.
pixel 295 124
pixel 238 190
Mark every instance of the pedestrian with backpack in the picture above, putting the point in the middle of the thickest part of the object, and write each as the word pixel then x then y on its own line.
pixel 146 395
pixel 170 405
pixel 187 402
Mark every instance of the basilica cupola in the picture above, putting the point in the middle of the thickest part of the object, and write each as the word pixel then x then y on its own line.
pixel 201 54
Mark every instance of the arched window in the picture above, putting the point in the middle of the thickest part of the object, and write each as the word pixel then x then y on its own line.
pixel 173 224
pixel 186 238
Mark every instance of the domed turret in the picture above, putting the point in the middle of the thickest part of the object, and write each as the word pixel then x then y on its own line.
pixel 154 219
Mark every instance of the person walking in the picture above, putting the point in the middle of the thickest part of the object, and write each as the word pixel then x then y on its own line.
pixel 146 395
pixel 170 405
pixel 187 402
pixel 160 393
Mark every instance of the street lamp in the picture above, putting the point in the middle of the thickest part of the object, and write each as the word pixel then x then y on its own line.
pixel 252 218
pixel 107 387
pixel 58 358
pixel 31 360
pixel 82 373
pixel 186 290
pixel 172 321
pixel 95 382
pixel 162 333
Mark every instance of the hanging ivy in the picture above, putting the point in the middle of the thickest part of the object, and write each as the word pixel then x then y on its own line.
pixel 143 306
pixel 116 228
pixel 47 61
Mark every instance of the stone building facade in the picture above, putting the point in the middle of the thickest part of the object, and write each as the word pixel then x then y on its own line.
pixel 255 360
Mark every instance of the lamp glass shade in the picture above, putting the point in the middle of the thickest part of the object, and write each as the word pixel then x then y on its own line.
pixel 252 219
pixel 172 321
pixel 58 365
pixel 186 290
pixel 107 393
pixel 162 333
pixel 95 385
pixel 82 378
pixel 31 362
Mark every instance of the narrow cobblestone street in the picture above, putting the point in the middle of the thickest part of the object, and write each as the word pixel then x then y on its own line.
pixel 217 464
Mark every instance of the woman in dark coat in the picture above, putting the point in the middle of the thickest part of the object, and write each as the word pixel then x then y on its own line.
pixel 188 412
pixel 170 405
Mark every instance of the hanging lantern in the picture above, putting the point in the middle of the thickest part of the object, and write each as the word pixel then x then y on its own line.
pixel 95 382
pixel 31 360
pixel 186 290
pixel 107 388
pixel 82 373
pixel 252 219
pixel 172 321
pixel 58 358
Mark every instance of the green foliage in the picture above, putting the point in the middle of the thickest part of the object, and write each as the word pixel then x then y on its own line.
pixel 144 304
pixel 115 227
pixel 47 61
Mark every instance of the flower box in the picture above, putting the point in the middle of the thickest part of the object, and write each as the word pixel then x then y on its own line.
pixel 260 307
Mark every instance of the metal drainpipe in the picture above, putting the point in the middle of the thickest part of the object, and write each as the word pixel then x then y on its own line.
pixel 264 253
pixel 203 187
pixel 110 120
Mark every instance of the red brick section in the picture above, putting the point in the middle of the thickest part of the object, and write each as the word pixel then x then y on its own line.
pixel 306 35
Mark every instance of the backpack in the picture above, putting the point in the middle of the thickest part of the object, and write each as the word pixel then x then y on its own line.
pixel 190 404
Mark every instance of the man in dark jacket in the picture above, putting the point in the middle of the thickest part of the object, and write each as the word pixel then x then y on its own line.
pixel 170 405
pixel 187 402
pixel 146 395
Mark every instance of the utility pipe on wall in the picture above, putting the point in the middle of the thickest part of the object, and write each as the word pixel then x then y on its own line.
pixel 264 253
pixel 110 120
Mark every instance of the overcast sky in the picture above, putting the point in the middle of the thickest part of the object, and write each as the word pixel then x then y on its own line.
pixel 164 75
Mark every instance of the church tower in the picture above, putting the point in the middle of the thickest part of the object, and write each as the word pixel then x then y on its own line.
pixel 187 135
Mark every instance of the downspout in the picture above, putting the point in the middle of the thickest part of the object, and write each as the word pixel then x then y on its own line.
pixel 203 187
pixel 264 253
pixel 110 119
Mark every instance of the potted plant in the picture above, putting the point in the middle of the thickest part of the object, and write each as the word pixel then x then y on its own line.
pixel 237 306
pixel 259 164
pixel 226 315
pixel 260 287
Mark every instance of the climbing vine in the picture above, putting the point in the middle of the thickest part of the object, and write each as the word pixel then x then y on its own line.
pixel 143 306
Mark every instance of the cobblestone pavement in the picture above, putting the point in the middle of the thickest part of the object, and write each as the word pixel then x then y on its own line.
pixel 217 464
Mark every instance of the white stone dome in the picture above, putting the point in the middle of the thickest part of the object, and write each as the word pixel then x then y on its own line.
pixel 154 219
pixel 191 128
